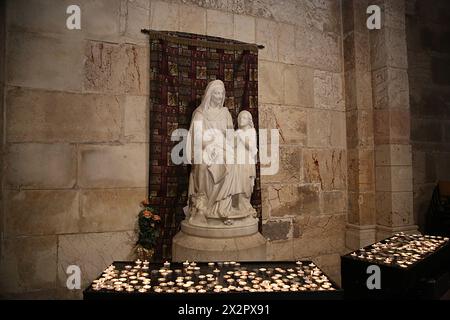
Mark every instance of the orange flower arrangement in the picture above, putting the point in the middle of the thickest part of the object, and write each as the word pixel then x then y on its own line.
pixel 148 221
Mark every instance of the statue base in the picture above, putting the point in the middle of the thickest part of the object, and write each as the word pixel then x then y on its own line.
pixel 225 243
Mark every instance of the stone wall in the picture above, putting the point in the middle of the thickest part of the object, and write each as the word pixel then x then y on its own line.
pixel 429 80
pixel 76 141
pixel 76 130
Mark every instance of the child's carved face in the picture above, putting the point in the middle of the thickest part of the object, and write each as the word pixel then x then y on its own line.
pixel 245 119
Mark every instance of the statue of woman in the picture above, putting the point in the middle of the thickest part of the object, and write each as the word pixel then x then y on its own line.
pixel 207 148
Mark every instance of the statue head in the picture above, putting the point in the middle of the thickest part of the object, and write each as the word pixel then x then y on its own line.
pixel 245 119
pixel 214 95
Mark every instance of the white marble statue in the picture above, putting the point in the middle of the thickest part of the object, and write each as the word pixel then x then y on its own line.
pixel 246 150
pixel 222 174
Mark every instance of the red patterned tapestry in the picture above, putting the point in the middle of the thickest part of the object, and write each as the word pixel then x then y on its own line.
pixel 181 65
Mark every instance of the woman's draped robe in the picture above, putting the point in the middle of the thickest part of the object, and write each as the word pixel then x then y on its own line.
pixel 213 177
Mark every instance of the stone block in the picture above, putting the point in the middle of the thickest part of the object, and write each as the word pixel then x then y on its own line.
pixel 388 48
pixel 102 19
pixel 319 235
pixel 383 155
pixel 393 155
pixel 394 208
pixel 286 43
pixel 366 204
pixel 298 86
pixel 164 16
pixel 244 28
pixel 113 166
pixel 309 195
pixel 283 200
pixel 110 209
pixel 267 195
pixel 28 264
pixel 51 18
pixel 192 19
pixel 365 134
pixel 334 202
pixel 41 212
pixel 366 171
pixel 267 35
pixel 290 164
pixel 270 82
pixel 338 130
pixel 400 126
pixel 353 169
pixel 363 89
pixel 324 16
pixel 219 24
pixel 381 121
pixel 116 68
pixel 48 116
pixel 380 84
pixel 383 202
pixel 402 208
pixel 291 123
pixel 326 128
pixel 353 207
pixel 286 11
pixel 349 51
pixel 326 167
pixel 282 250
pixel 137 18
pixel 383 180
pixel 277 229
pixel 319 128
pixel 348 16
pixel 393 14
pixel 359 127
pixel 92 252
pixel 398 90
pixel 33 165
pixel 136 119
pixel 99 18
pixel 357 52
pixel 318 50
pixel 391 89
pixel 350 90
pixel 37 61
pixel 328 91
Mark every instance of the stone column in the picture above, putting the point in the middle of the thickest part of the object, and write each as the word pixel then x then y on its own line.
pixel 393 165
pixel 361 228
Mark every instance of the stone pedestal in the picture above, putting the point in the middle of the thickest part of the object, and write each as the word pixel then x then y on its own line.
pixel 219 243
